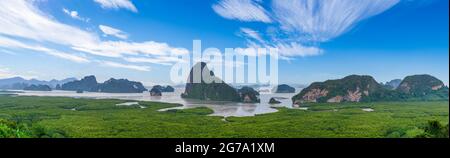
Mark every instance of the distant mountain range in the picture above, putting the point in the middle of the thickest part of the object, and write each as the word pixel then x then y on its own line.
pixel 90 84
pixel 393 84
pixel 19 83
pixel 38 88
pixel 353 88
pixel 357 88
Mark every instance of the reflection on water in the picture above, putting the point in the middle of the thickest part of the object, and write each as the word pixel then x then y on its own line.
pixel 220 108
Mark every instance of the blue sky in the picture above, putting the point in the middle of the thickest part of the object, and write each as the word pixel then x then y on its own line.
pixel 387 39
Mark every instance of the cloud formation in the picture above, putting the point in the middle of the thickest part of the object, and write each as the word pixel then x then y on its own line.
pixel 286 49
pixel 109 31
pixel 252 35
pixel 158 60
pixel 124 66
pixel 11 43
pixel 22 19
pixel 120 49
pixel 24 26
pixel 322 20
pixel 297 27
pixel 244 10
pixel 74 15
pixel 117 4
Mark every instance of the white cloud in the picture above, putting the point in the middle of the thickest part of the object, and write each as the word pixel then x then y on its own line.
pixel 22 21
pixel 11 43
pixel 297 49
pixel 297 27
pixel 285 49
pixel 323 20
pixel 120 48
pixel 67 56
pixel 109 31
pixel 244 10
pixel 252 34
pixel 163 60
pixel 125 66
pixel 74 14
pixel 117 4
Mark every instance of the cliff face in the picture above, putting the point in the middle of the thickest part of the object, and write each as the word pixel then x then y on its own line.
pixel 356 88
pixel 208 87
pixel 351 88
pixel 423 87
pixel 419 84
pixel 203 85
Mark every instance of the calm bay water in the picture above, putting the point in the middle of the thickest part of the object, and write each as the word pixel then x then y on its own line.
pixel 220 108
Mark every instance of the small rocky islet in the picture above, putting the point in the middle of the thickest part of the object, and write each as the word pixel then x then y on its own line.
pixel 155 91
pixel 274 101
pixel 284 88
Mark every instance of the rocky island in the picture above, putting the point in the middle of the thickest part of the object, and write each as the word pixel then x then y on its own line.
pixel 213 88
pixel 248 95
pixel 274 101
pixel 284 88
pixel 164 89
pixel 121 86
pixel 90 84
pixel 155 91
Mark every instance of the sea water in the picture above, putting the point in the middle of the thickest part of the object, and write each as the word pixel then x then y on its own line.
pixel 220 108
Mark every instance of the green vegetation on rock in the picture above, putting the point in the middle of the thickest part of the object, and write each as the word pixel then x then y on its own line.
pixel 248 95
pixel 284 88
pixel 207 86
pixel 121 86
pixel 356 88
pixel 90 84
pixel 164 89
